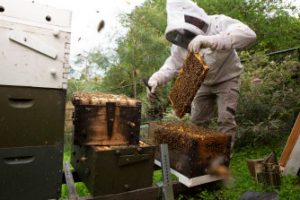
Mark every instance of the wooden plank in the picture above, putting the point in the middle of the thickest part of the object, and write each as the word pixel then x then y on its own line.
pixel 285 156
pixel 34 14
pixel 70 182
pixel 151 193
pixel 293 164
pixel 255 167
pixel 33 43
pixel 192 182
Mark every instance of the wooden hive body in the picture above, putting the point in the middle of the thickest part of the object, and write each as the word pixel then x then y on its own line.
pixel 192 149
pixel 187 84
pixel 114 169
pixel 103 119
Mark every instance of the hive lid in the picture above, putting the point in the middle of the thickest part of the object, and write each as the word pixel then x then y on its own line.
pixel 31 13
pixel 82 98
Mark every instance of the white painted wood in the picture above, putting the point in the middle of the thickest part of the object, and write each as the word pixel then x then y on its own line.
pixel 33 56
pixel 192 182
pixel 293 164
pixel 29 12
pixel 29 41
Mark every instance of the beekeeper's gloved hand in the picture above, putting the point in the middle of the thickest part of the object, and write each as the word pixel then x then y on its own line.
pixel 151 94
pixel 214 42
pixel 200 42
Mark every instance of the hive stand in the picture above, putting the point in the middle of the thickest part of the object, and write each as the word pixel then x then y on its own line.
pixel 289 160
pixel 184 182
pixel 191 182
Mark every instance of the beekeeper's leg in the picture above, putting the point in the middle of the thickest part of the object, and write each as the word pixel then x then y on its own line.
pixel 203 106
pixel 227 100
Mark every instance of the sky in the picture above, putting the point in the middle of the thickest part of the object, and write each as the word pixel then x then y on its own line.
pixel 296 2
pixel 86 15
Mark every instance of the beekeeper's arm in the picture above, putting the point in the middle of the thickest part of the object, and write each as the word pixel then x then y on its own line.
pixel 170 68
pixel 233 35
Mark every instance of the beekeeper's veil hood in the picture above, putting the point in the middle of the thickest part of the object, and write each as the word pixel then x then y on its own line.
pixel 185 21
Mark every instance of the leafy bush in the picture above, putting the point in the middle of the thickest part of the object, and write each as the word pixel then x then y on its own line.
pixel 269 100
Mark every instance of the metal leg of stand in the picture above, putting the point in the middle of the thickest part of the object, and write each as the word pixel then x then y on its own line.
pixel 70 182
pixel 168 193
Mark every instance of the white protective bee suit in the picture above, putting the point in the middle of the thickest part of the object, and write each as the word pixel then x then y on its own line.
pixel 216 37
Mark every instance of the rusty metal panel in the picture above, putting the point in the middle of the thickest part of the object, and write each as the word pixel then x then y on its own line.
pixel 111 170
pixel 90 126
pixel 103 119
pixel 31 172
pixel 31 116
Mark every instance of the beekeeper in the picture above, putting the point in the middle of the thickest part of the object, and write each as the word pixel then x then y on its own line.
pixel 216 37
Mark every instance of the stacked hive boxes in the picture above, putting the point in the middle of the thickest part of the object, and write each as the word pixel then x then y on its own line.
pixel 107 153
pixel 34 55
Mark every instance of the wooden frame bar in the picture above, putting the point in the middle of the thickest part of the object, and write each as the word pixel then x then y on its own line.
pixel 289 159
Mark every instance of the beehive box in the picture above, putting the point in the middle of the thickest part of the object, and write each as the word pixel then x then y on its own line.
pixel 105 119
pixel 31 116
pixel 187 84
pixel 114 169
pixel 192 149
pixel 31 172
pixel 35 45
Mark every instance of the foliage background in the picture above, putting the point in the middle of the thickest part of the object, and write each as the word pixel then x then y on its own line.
pixel 270 88
pixel 270 91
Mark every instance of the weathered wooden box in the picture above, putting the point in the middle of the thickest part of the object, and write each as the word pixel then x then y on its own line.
pixel 187 84
pixel 104 119
pixel 193 150
pixel 114 169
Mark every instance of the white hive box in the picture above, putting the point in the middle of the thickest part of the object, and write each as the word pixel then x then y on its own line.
pixel 34 45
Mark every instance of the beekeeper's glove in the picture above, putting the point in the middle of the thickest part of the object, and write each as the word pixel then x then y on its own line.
pixel 151 93
pixel 214 42
pixel 200 42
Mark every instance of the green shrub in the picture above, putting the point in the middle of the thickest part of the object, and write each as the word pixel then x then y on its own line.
pixel 269 100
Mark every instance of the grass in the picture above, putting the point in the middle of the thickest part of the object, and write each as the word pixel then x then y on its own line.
pixel 242 181
pixel 232 189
